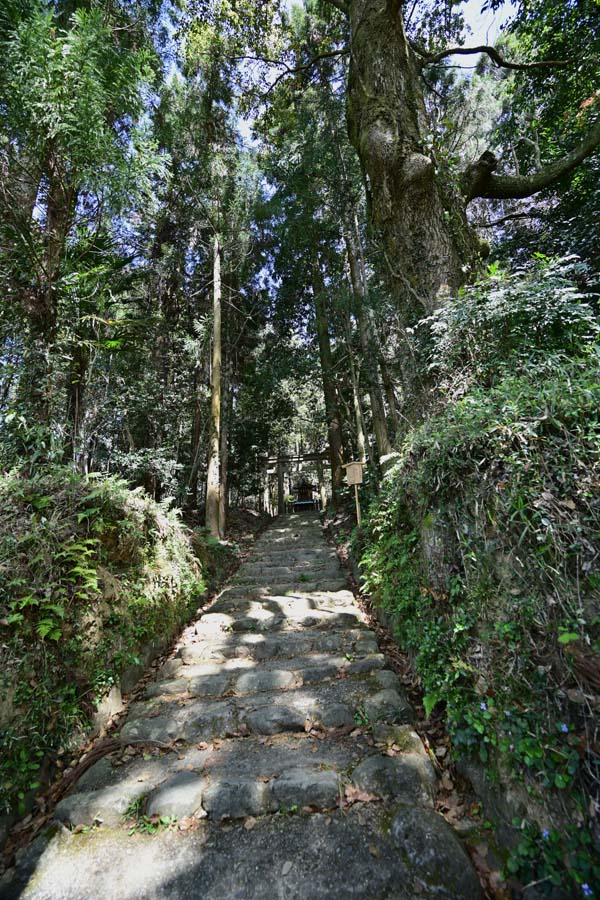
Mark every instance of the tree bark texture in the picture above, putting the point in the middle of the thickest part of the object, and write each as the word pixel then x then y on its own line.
pixel 368 344
pixel 213 479
pixel 332 411
pixel 421 218
pixel 224 448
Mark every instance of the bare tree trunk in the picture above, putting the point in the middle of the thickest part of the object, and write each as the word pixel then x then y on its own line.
pixel 280 488
pixel 322 488
pixel 213 483
pixel 356 401
pixel 225 424
pixel 334 420
pixel 367 341
pixel 195 447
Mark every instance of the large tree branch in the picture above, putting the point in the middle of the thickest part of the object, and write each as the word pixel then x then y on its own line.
pixel 479 179
pixel 429 59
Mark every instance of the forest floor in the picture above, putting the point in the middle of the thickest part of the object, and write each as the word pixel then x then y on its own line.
pixel 274 756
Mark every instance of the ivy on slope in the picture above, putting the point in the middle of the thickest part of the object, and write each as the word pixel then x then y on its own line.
pixel 485 547
pixel 90 573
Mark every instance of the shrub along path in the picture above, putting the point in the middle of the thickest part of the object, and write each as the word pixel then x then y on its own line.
pixel 286 764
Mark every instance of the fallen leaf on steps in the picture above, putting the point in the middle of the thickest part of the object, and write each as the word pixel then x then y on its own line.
pixel 355 795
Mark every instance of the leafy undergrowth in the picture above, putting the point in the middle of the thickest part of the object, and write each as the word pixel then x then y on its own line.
pixel 485 546
pixel 91 573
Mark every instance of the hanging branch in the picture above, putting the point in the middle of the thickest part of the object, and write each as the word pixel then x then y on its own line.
pixel 429 59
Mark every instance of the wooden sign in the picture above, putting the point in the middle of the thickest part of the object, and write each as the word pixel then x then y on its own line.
pixel 354 472
pixel 354 476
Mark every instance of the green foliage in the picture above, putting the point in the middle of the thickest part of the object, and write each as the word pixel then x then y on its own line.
pixel 90 572
pixel 483 544
pixel 512 320
pixel 542 855
pixel 152 824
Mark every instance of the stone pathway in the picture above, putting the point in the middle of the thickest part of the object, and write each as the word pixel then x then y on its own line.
pixel 289 768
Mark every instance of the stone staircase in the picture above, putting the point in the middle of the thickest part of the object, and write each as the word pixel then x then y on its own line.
pixel 278 747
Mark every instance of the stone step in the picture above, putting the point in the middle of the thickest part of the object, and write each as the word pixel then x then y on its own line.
pixel 261 619
pixel 296 526
pixel 250 777
pixel 296 552
pixel 327 568
pixel 265 587
pixel 365 698
pixel 242 677
pixel 356 642
pixel 392 850
pixel 240 600
pixel 306 577
pixel 291 538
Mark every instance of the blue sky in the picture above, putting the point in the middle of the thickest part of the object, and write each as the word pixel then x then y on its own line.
pixel 485 26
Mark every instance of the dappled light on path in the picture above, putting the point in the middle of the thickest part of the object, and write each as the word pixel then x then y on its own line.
pixel 271 755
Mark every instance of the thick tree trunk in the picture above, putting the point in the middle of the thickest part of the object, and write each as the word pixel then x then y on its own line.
pixel 213 480
pixel 195 447
pixel 361 444
pixel 332 411
pixel 421 218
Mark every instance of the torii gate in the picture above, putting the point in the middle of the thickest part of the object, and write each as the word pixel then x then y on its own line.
pixel 272 465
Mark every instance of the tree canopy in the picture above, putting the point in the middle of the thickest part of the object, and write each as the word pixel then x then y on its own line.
pixel 235 234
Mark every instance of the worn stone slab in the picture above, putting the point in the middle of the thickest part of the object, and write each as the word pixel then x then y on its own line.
pixel 209 685
pixel 307 787
pixel 274 720
pixel 408 776
pixel 389 706
pixel 275 679
pixel 402 736
pixel 236 798
pixel 106 806
pixel 178 796
pixel 430 847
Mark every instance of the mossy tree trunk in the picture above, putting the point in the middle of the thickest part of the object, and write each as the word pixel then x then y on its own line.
pixel 421 218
